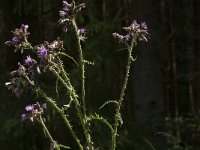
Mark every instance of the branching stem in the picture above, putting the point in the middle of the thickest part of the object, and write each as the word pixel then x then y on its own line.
pixel 59 111
pixel 73 97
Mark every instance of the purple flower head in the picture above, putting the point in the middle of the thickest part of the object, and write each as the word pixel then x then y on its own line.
pixel 15 40
pixel 134 22
pixel 24 28
pixel 64 12
pixel 143 26
pixel 82 30
pixel 34 111
pixel 42 52
pixel 29 108
pixel 29 61
pixel 66 6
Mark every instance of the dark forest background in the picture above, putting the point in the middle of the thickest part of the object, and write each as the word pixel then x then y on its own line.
pixel 162 104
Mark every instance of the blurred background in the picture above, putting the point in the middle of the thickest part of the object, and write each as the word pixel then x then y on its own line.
pixel 161 111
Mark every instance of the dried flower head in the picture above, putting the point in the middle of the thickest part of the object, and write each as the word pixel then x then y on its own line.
pixel 18 83
pixel 56 45
pixel 134 31
pixel 68 13
pixel 19 39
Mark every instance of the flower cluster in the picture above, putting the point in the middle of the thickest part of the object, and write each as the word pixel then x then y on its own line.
pixel 33 111
pixel 42 51
pixel 47 53
pixel 48 49
pixel 18 84
pixel 82 33
pixel 134 31
pixel 32 67
pixel 56 45
pixel 69 12
pixel 19 39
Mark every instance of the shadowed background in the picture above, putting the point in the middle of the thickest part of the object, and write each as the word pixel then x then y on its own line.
pixel 161 110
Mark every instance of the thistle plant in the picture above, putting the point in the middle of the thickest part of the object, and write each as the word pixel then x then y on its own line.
pixel 48 58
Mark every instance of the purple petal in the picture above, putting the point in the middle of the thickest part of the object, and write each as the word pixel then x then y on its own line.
pixel 29 107
pixel 42 52
pixel 144 25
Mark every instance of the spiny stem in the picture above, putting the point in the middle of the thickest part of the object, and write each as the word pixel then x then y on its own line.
pixel 60 112
pixel 53 143
pixel 63 116
pixel 121 98
pixel 81 63
pixel 74 99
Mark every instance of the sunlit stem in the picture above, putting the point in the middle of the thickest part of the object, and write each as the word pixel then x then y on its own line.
pixel 53 143
pixel 122 93
pixel 81 61
pixel 58 110
pixel 73 96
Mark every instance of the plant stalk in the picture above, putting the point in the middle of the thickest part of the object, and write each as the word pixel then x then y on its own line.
pixel 81 61
pixel 73 97
pixel 60 112
pixel 122 93
pixel 53 143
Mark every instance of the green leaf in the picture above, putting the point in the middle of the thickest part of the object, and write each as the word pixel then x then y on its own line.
pixel 88 62
pixel 68 56
pixel 101 119
pixel 108 102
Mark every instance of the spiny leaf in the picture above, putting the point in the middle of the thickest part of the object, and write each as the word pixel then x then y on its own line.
pixel 70 57
pixel 88 62
pixel 63 146
pixel 101 119
pixel 108 102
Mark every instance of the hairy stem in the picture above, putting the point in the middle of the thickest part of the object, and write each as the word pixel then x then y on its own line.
pixel 53 143
pixel 63 116
pixel 81 61
pixel 122 93
pixel 73 97
pixel 59 111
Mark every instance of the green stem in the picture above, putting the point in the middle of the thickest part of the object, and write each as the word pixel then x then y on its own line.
pixel 81 63
pixel 53 143
pixel 73 97
pixel 121 98
pixel 63 116
pixel 60 112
